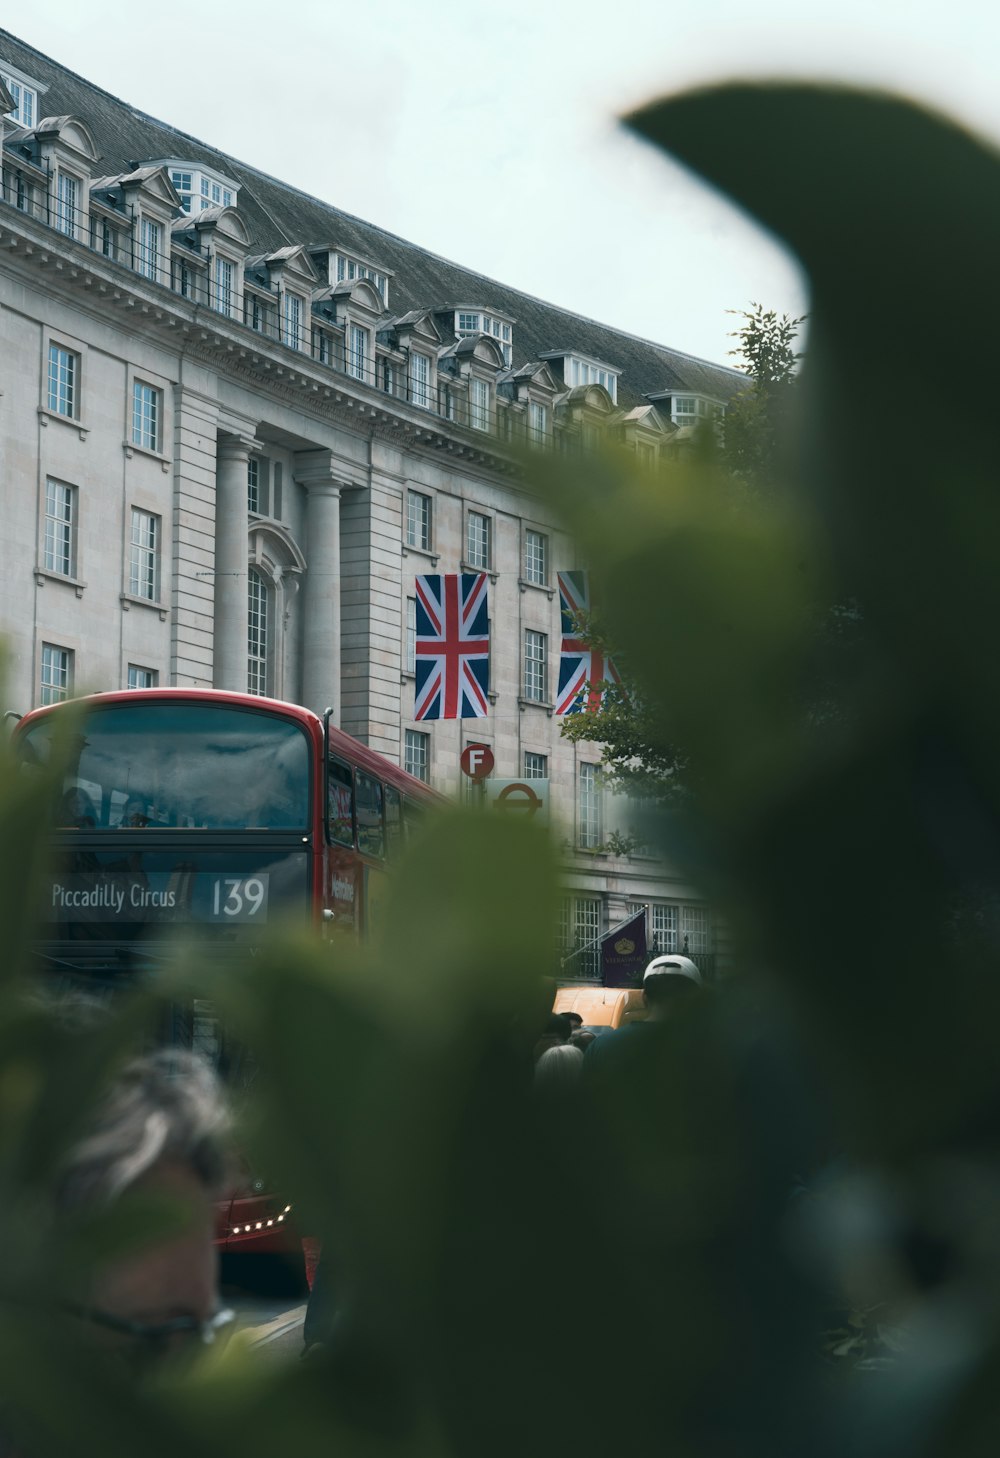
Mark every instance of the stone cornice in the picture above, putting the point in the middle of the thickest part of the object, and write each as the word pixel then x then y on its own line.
pixel 103 288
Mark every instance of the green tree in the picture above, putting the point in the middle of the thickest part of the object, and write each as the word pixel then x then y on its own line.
pixel 757 416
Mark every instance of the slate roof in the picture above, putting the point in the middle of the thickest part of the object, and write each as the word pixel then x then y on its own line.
pixel 277 216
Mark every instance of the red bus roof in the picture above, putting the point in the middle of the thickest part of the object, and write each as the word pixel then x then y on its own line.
pixel 342 744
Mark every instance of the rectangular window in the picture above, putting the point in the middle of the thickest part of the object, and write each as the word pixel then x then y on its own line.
pixel 62 388
pixel 536 766
pixel 665 937
pixel 322 347
pixel 368 808
pixel 183 278
pixel 253 484
pixel 257 629
pixel 148 255
pixel 535 675
pixel 538 423
pixel 411 635
pixel 536 567
pixel 468 324
pixel 24 99
pixel 477 547
pixel 277 481
pixel 255 313
pixel 479 405
pixel 416 754
pixel 293 320
pixel 223 285
pixel 146 403
pixel 358 356
pixel 59 553
pixel 420 380
pixel 66 195
pixel 142 678
pixel 590 808
pixel 418 520
pixel 695 929
pixel 107 239
pixel 579 930
pixel 144 563
pixel 57 673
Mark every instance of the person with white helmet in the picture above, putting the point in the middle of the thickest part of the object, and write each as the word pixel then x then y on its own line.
pixel 669 983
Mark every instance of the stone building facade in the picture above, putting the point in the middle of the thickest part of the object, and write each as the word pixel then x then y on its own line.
pixel 235 423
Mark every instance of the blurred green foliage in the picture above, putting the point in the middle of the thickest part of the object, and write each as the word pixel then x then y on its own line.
pixel 677 1262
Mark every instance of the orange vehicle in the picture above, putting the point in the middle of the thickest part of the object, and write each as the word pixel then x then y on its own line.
pixel 190 808
pixel 602 1007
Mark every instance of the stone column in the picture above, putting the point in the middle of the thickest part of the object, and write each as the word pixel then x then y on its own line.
pixel 231 562
pixel 321 584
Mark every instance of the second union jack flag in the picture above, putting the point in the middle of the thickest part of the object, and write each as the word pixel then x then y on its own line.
pixel 452 646
pixel 582 669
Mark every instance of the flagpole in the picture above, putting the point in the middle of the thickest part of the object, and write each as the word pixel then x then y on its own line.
pixel 601 936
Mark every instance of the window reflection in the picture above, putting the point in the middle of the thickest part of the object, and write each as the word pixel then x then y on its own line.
pixel 185 766
pixel 369 802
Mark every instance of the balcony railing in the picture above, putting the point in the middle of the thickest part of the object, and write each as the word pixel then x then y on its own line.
pixel 191 274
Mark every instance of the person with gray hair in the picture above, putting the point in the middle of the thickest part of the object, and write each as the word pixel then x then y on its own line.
pixel 161 1131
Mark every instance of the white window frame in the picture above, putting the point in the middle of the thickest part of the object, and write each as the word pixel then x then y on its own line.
pixel 56 675
pixel 589 807
pixel 144 555
pixel 479 541
pixel 253 485
pixel 538 423
pixel 417 754
pixel 147 253
pixel 139 677
pixel 536 557
pixel 147 417
pixel 67 208
pixel 419 520
pixel 479 404
pixel 60 530
pixel 357 354
pixel 535 766
pixel 293 320
pixel 258 625
pixel 665 926
pixel 420 379
pixel 25 100
pixel 535 677
pixel 62 390
pixel 223 285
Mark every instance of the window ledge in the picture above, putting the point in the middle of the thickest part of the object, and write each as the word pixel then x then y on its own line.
pixel 128 601
pixel 407 676
pixel 409 548
pixel 468 567
pixel 523 703
pixel 130 448
pixel 524 585
pixel 45 415
pixel 43 575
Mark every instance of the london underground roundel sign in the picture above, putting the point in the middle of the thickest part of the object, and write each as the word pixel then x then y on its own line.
pixel 477 761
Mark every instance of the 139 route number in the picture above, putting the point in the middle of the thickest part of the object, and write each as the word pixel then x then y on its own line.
pixel 237 899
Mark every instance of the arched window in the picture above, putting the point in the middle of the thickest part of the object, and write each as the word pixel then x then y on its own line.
pixel 257 629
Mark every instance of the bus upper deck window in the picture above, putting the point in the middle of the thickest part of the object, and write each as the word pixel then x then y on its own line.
pixel 340 804
pixel 371 836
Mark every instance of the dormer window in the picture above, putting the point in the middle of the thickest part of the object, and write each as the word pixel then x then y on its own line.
pixel 199 187
pixel 582 371
pixel 692 409
pixel 24 93
pixel 347 269
pixel 469 321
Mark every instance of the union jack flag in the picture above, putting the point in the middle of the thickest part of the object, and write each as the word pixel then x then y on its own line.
pixel 582 669
pixel 452 646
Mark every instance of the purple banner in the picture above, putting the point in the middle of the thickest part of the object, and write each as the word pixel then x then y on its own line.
pixel 623 953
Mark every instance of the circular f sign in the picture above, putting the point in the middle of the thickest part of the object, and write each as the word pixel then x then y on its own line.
pixel 477 761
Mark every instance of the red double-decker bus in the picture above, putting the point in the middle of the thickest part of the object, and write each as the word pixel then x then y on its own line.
pixel 189 808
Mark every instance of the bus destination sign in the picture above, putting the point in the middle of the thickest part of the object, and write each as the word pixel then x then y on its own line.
pixel 184 896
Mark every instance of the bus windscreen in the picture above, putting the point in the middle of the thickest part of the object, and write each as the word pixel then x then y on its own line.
pixel 183 766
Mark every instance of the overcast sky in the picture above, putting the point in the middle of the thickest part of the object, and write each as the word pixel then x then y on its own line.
pixel 486 131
